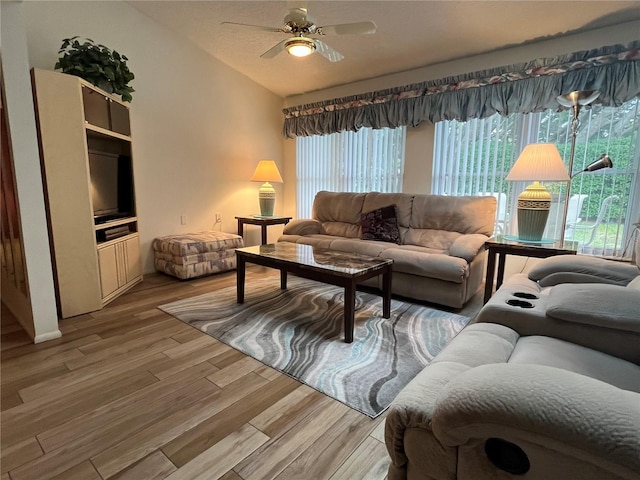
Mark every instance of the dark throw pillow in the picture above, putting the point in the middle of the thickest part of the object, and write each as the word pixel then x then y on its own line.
pixel 381 224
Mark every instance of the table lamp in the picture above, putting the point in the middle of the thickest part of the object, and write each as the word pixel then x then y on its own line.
pixel 267 172
pixel 537 162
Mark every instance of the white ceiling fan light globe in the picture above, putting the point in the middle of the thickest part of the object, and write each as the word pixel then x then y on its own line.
pixel 300 46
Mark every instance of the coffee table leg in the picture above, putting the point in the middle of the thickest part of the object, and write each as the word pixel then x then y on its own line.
pixel 240 272
pixel 386 294
pixel 349 311
pixel 283 279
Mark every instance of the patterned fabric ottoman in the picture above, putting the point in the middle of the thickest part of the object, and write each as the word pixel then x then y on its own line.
pixel 193 255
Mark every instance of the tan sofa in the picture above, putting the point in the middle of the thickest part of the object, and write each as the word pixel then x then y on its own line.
pixel 440 256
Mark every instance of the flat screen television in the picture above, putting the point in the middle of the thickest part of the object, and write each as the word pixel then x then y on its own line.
pixel 111 186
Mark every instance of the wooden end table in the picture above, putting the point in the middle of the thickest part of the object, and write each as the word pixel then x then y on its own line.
pixel 264 222
pixel 501 247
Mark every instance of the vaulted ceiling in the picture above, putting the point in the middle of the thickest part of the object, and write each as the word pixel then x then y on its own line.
pixel 410 34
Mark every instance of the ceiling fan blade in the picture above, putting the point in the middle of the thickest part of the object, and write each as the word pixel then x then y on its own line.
pixel 358 28
pixel 275 50
pixel 327 52
pixel 257 27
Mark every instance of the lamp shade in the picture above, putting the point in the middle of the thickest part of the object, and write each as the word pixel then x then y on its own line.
pixel 603 162
pixel 539 161
pixel 267 171
pixel 584 97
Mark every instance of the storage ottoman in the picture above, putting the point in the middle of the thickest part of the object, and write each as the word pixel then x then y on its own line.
pixel 192 255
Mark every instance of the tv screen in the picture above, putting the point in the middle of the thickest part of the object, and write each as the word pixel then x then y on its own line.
pixel 111 186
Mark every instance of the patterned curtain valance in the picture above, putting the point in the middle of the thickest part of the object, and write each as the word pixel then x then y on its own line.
pixel 522 88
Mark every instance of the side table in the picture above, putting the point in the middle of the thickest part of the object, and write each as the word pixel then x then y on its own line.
pixel 501 247
pixel 264 222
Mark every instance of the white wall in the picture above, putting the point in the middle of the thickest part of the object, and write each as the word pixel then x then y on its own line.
pixel 199 128
pixel 35 311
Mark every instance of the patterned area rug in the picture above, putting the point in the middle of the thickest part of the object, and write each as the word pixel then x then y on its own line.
pixel 299 331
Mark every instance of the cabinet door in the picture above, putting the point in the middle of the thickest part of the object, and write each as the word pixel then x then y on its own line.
pixel 107 258
pixel 133 262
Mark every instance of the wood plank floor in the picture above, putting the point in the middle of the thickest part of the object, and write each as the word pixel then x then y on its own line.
pixel 131 393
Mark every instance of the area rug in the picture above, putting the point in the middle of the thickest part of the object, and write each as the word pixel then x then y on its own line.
pixel 300 332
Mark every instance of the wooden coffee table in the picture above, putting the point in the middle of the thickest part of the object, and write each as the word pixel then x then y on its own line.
pixel 342 269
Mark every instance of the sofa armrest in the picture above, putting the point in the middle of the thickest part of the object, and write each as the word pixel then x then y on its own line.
pixel 607 306
pixel 582 269
pixel 542 408
pixel 302 227
pixel 468 246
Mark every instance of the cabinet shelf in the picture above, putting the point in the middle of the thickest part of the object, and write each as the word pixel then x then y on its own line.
pixel 115 223
pixel 105 132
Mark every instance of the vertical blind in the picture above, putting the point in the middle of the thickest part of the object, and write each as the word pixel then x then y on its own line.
pixel 474 157
pixel 362 161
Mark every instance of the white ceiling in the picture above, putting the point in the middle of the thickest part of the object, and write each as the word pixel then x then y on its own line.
pixel 410 34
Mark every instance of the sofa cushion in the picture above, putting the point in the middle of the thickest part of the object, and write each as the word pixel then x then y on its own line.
pixel 339 212
pixel 381 224
pixel 422 263
pixel 345 207
pixel 454 214
pixel 402 201
pixel 437 239
pixel 603 305
pixel 578 359
pixel 363 247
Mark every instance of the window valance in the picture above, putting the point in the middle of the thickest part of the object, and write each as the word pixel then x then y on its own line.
pixel 521 88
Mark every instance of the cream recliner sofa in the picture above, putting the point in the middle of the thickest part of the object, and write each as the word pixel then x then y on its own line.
pixel 550 395
pixel 585 300
pixel 440 254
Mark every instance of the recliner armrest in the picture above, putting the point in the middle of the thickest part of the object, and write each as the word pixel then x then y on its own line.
pixel 578 417
pixel 302 227
pixel 607 306
pixel 554 270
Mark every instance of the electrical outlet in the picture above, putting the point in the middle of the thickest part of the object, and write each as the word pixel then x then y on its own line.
pixel 218 217
pixel 183 219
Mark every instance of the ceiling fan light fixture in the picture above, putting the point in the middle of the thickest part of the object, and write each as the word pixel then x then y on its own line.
pixel 300 46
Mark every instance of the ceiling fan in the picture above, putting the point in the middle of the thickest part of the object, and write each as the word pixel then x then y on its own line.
pixel 302 27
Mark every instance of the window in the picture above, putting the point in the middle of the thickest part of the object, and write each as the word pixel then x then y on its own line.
pixel 362 161
pixel 473 158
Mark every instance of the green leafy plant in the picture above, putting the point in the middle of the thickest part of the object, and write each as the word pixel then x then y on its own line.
pixel 97 64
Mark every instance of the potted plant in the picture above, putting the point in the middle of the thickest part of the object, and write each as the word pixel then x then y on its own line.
pixel 97 64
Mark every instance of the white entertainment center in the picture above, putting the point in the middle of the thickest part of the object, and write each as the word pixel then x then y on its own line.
pixel 85 140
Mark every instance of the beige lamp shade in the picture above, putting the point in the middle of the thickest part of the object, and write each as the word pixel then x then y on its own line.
pixel 538 162
pixel 541 162
pixel 267 171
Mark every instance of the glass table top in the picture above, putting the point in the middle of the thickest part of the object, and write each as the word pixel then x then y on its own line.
pixel 321 259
